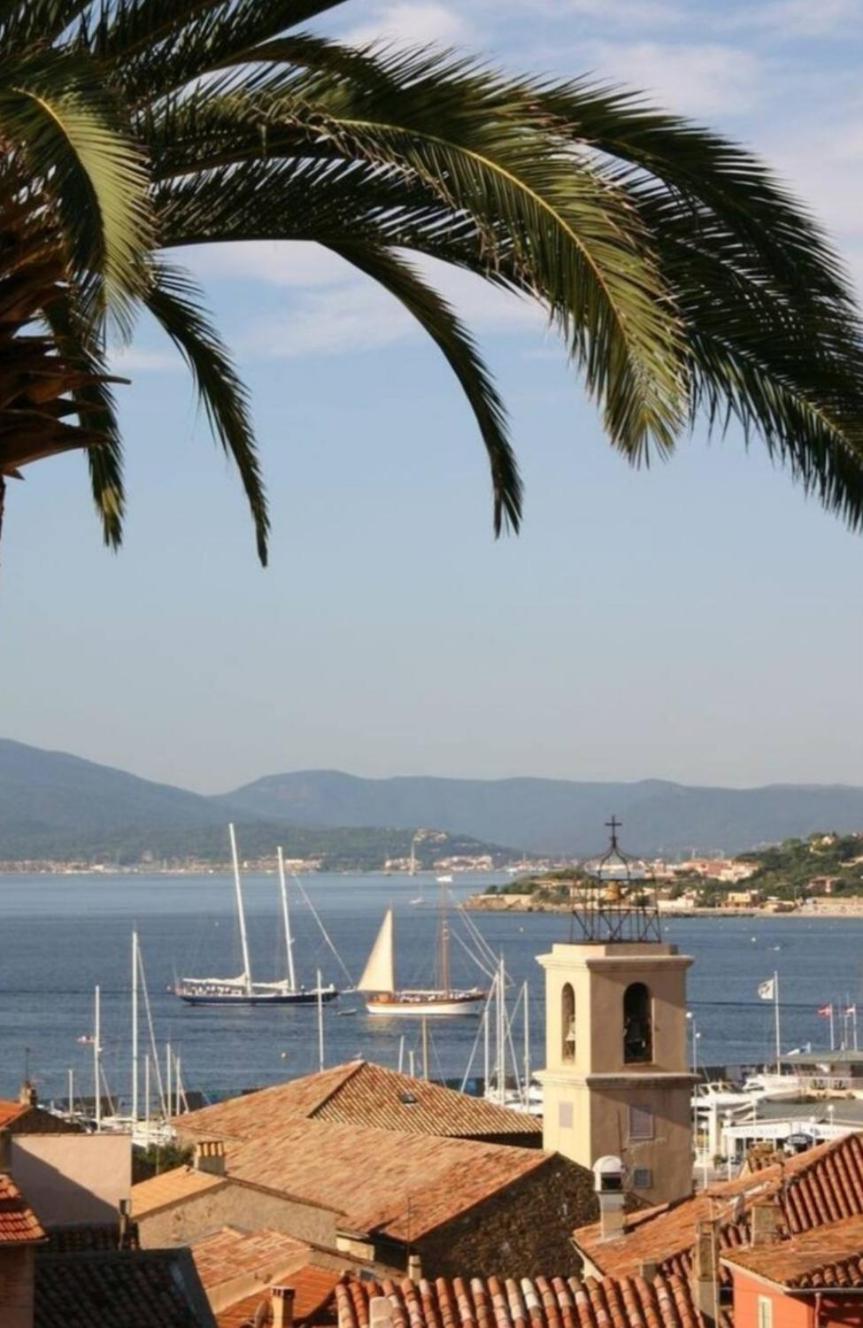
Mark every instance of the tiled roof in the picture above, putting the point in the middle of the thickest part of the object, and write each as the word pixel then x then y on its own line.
pixel 120 1289
pixel 171 1187
pixel 90 1236
pixel 541 1302
pixel 359 1093
pixel 18 1223
pixel 24 1118
pixel 10 1110
pixel 830 1256
pixel 313 1289
pixel 821 1185
pixel 403 1186
pixel 229 1253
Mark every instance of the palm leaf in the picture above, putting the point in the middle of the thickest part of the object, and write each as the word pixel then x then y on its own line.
pixel 175 302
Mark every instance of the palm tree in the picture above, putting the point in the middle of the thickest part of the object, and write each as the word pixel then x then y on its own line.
pixel 683 280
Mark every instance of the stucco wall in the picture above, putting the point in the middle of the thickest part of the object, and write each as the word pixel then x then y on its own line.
pixel 787 1312
pixel 236 1205
pixel 73 1178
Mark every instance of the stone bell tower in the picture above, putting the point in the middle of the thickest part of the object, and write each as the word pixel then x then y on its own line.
pixel 616 1080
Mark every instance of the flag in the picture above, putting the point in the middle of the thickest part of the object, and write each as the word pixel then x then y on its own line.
pixel 826 1011
pixel 767 990
pixel 851 1011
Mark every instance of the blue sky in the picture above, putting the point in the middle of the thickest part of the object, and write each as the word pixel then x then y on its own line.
pixel 700 622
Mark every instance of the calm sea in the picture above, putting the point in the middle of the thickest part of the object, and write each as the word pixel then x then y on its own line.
pixel 59 936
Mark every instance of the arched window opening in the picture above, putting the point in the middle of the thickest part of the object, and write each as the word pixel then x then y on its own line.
pixel 637 1024
pixel 567 1022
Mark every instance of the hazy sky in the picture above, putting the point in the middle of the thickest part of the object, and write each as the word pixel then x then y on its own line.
pixel 701 622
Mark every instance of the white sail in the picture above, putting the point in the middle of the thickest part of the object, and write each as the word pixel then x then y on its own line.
pixel 379 972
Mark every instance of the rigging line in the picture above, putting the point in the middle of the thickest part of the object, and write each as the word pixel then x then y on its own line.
pixel 151 1030
pixel 489 973
pixel 473 930
pixel 479 1033
pixel 508 1023
pixel 324 931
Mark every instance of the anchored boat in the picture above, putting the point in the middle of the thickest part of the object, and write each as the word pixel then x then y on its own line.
pixel 242 990
pixel 384 998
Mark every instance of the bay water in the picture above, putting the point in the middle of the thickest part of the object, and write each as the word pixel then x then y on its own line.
pixel 61 935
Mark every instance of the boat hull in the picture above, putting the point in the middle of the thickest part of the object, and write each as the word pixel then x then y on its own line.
pixel 257 998
pixel 426 1005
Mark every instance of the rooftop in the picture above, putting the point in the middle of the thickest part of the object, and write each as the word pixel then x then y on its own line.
pixel 313 1289
pixel 541 1302
pixel 822 1185
pixel 18 1223
pixel 360 1093
pixel 120 1289
pixel 149 1196
pixel 825 1257
pixel 402 1186
pixel 229 1253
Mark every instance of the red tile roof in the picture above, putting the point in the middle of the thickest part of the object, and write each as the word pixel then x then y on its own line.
pixel 313 1289
pixel 174 1186
pixel 829 1256
pixel 540 1302
pixel 120 1289
pixel 360 1093
pixel 821 1185
pixel 400 1185
pixel 229 1253
pixel 10 1110
pixel 18 1223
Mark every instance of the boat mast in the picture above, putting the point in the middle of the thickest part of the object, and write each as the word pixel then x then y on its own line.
pixel 320 1023
pixel 134 1029
pixel 526 1046
pixel 443 944
pixel 241 912
pixel 289 943
pixel 97 1058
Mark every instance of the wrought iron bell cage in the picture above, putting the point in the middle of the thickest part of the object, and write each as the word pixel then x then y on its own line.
pixel 615 902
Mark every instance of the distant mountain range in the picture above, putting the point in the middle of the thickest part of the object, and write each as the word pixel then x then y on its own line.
pixel 57 806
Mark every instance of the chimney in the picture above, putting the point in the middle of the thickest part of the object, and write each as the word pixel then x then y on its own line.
pixel 5 1152
pixel 210 1157
pixel 608 1174
pixel 380 1312
pixel 766 1220
pixel 282 1298
pixel 705 1273
pixel 27 1095
pixel 415 1267
pixel 124 1223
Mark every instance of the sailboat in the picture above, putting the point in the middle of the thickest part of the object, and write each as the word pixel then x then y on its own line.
pixel 243 990
pixel 384 998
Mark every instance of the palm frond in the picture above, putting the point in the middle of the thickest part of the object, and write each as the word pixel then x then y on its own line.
pixel 437 318
pixel 174 300
pixel 54 112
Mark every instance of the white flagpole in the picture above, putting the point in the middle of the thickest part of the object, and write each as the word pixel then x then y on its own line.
pixel 778 1037
pixel 854 1024
pixel 832 1033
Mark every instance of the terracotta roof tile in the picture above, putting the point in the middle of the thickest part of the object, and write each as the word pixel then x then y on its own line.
pixel 171 1187
pixel 359 1093
pixel 828 1256
pixel 313 1289
pixel 18 1223
pixel 403 1186
pixel 10 1110
pixel 263 1254
pixel 120 1289
pixel 541 1302
pixel 823 1184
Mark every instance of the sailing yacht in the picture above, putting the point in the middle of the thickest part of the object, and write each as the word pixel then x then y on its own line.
pixel 384 998
pixel 243 990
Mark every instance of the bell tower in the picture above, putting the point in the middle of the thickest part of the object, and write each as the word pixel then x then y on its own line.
pixel 616 1081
